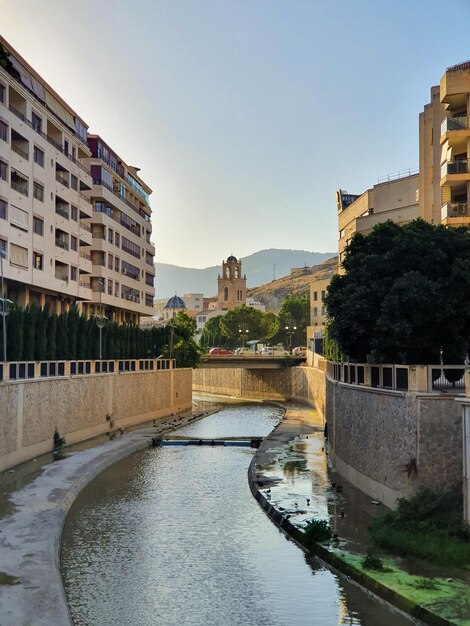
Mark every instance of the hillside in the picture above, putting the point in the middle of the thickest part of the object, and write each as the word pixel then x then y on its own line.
pixel 258 267
pixel 273 293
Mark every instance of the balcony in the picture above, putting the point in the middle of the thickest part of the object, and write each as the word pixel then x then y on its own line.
pixel 456 214
pixel 61 179
pixel 459 122
pixel 61 276
pixel 61 243
pixel 85 255
pixel 19 183
pixel 457 171
pixel 61 210
pixel 85 227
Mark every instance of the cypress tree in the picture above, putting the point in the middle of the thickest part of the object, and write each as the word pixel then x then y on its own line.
pixel 40 336
pixel 30 317
pixel 51 348
pixel 15 334
pixel 72 332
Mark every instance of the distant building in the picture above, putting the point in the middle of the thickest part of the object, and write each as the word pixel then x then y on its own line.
pixel 194 302
pixel 231 285
pixel 255 304
pixel 173 306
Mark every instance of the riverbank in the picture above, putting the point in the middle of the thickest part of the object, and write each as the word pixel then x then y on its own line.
pixel 31 589
pixel 433 595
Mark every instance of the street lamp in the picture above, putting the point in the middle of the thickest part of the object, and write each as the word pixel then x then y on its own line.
pixel 243 333
pixel 291 329
pixel 100 319
pixel 5 304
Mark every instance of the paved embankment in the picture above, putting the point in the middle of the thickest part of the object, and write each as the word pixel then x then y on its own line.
pixel 31 590
pixel 445 602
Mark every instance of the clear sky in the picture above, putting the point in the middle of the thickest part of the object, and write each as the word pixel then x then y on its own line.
pixel 245 116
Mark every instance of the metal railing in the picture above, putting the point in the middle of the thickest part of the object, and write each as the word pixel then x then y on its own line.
pixel 61 179
pixel 459 122
pixel 62 276
pixel 455 209
pixel 61 211
pixel 454 167
pixel 85 255
pixel 21 186
pixel 60 243
pixel 86 227
pixel 400 174
pixel 446 378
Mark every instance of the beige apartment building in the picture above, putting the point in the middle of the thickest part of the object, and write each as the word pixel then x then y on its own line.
pixel 122 253
pixel 43 207
pixel 51 223
pixel 445 149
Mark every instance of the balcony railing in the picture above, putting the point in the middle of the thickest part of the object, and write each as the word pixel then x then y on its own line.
pixel 85 255
pixel 19 151
pixel 61 275
pixel 60 243
pixel 61 179
pixel 455 209
pixel 85 227
pixel 454 167
pixel 20 185
pixel 84 284
pixel 459 122
pixel 61 211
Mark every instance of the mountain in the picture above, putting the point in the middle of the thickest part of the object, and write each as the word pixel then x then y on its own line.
pixel 298 281
pixel 259 268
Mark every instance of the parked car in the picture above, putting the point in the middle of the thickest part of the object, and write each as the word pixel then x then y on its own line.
pixel 220 351
pixel 300 351
pixel 267 351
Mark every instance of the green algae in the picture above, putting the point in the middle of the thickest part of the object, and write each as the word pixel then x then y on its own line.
pixel 7 579
pixel 449 599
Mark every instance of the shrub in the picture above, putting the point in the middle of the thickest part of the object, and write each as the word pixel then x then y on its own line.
pixel 372 561
pixel 317 531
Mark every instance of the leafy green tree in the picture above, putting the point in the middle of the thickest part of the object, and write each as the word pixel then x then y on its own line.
pixel 212 333
pixel 404 295
pixel 295 311
pixel 259 325
pixel 184 349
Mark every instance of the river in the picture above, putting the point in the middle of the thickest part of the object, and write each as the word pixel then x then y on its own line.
pixel 172 536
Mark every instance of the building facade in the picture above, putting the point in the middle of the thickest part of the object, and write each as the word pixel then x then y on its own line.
pixel 44 211
pixel 74 218
pixel 231 285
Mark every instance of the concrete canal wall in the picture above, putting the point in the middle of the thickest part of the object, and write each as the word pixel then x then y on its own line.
pixel 81 407
pixel 387 443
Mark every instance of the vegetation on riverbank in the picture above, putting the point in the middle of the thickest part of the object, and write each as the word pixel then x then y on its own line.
pixel 429 526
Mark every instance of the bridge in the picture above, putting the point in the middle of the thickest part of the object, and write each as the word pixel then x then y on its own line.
pixel 250 362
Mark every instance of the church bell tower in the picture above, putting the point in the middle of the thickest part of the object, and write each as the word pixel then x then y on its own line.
pixel 231 285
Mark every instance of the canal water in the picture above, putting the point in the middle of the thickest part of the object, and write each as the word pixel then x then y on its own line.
pixel 172 536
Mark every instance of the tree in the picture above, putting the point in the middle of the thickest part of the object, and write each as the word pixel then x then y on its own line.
pixel 404 295
pixel 295 311
pixel 212 333
pixel 182 346
pixel 244 318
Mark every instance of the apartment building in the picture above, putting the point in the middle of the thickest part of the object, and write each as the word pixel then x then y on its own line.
pixel 445 152
pixel 43 180
pixel 122 252
pixel 396 199
pixel 74 218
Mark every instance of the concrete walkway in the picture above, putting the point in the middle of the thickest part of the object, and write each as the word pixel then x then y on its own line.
pixel 31 590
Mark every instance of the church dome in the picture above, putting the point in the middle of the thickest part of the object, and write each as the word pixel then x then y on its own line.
pixel 232 259
pixel 175 302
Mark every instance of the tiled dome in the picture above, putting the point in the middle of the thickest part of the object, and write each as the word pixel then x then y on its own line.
pixel 232 259
pixel 175 302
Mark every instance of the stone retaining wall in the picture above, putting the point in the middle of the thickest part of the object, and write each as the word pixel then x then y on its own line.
pixel 78 407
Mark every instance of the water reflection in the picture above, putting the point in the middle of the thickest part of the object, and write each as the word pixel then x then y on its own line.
pixel 173 536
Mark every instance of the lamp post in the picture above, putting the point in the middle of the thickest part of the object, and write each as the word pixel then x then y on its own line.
pixel 291 329
pixel 243 333
pixel 5 304
pixel 100 319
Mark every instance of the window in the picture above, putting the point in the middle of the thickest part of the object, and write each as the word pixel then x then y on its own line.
pixel 149 261
pixel 36 122
pixel 2 93
pixel 74 182
pixel 38 261
pixel 3 170
pixel 20 183
pixel 3 209
pixel 323 310
pixel 38 226
pixel 116 290
pixel 116 264
pixel 110 261
pixel 19 218
pixel 73 243
pixel 110 235
pixel 73 273
pixel 3 245
pixel 38 191
pixel 130 247
pixel 38 156
pixel 3 131
pixel 74 213
pixel 322 295
pixel 315 312
pixel 116 240
pixel 18 256
pixel 315 296
pixel 110 287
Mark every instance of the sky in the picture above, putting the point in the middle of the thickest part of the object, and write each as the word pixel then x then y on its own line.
pixel 246 116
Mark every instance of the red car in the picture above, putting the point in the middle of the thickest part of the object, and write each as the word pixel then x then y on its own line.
pixel 220 351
